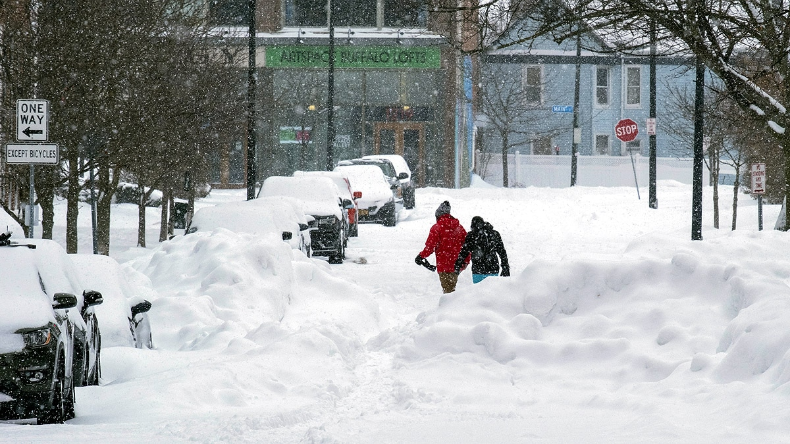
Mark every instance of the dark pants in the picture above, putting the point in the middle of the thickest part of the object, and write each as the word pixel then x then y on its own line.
pixel 448 281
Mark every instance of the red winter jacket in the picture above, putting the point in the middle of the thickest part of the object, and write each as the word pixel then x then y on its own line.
pixel 445 239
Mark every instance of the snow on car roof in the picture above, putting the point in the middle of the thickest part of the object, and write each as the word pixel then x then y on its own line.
pixel 31 277
pixel 319 195
pixel 340 179
pixel 400 164
pixel 369 179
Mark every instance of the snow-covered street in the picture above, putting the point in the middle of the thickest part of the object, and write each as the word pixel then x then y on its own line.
pixel 614 327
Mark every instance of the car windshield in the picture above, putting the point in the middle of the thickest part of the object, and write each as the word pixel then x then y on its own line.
pixel 386 167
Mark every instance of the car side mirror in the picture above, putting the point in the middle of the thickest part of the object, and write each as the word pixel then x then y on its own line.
pixel 347 204
pixel 402 176
pixel 303 227
pixel 393 187
pixel 287 235
pixel 92 297
pixel 64 300
pixel 142 307
pixel 357 194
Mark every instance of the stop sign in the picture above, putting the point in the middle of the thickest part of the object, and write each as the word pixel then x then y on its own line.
pixel 626 130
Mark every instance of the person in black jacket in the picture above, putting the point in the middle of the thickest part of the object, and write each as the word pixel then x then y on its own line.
pixel 485 244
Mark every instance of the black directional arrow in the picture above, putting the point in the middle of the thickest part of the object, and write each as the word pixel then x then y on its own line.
pixel 27 131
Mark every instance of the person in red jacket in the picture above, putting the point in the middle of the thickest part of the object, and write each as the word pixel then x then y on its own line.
pixel 444 240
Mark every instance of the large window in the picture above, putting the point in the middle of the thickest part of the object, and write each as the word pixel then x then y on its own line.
pixel 229 12
pixel 602 86
pixel 405 13
pixel 602 144
pixel 305 13
pixel 532 82
pixel 633 91
pixel 360 13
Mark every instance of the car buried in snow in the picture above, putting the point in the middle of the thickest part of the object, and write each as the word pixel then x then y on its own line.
pixel 376 200
pixel 49 333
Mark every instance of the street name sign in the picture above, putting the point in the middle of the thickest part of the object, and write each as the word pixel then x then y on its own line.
pixel 32 120
pixel 32 153
pixel 562 109
pixel 758 178
pixel 626 130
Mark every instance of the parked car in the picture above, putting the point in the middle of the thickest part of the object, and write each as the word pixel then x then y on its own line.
pixel 344 185
pixel 124 312
pixel 46 347
pixel 282 216
pixel 376 202
pixel 322 200
pixel 404 176
pixel 390 174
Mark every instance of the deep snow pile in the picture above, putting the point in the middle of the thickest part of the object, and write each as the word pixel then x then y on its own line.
pixel 614 327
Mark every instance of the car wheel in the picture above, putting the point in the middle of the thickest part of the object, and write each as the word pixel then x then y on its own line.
pixel 391 219
pixel 57 412
pixel 68 404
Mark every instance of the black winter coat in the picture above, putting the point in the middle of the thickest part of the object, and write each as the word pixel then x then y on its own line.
pixel 485 244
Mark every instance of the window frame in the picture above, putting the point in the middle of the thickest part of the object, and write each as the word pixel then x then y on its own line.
pixel 627 86
pixel 608 145
pixel 608 86
pixel 525 85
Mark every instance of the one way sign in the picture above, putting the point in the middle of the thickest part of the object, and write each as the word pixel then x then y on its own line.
pixel 32 120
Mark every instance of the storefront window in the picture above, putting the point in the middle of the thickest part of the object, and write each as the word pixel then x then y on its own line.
pixel 229 12
pixel 305 13
pixel 354 12
pixel 405 13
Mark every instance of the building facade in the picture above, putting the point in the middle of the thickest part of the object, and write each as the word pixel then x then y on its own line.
pixel 397 87
pixel 612 87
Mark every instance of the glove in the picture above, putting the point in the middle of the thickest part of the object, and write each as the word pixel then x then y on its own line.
pixel 459 265
pixel 505 271
pixel 419 260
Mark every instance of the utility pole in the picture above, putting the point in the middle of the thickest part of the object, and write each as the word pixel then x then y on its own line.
pixel 252 47
pixel 577 133
pixel 699 120
pixel 653 201
pixel 330 100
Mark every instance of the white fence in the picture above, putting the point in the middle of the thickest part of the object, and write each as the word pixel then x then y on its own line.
pixel 602 171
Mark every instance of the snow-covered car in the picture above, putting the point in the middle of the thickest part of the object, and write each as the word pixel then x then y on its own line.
pixel 279 215
pixel 404 176
pixel 344 185
pixel 322 200
pixel 124 312
pixel 49 332
pixel 376 202
pixel 388 169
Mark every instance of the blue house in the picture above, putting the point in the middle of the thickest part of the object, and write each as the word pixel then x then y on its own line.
pixel 536 81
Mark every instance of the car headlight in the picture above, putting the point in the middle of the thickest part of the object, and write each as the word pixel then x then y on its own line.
pixel 37 338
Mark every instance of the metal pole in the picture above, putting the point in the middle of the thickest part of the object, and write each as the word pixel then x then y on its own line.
pixel 576 130
pixel 699 120
pixel 760 212
pixel 330 100
pixel 251 142
pixel 653 201
pixel 633 166
pixel 30 220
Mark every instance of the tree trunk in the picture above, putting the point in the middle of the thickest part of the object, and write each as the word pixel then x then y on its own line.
pixel 46 199
pixel 108 184
pixel 504 159
pixel 735 196
pixel 141 215
pixel 72 205
pixel 714 176
pixel 164 220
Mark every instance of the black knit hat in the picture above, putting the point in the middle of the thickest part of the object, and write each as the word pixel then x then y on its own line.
pixel 444 208
pixel 477 223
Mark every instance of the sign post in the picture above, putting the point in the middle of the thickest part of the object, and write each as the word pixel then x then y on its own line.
pixel 758 188
pixel 32 125
pixel 626 130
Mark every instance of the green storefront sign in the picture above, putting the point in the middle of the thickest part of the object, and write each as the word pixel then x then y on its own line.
pixel 298 56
